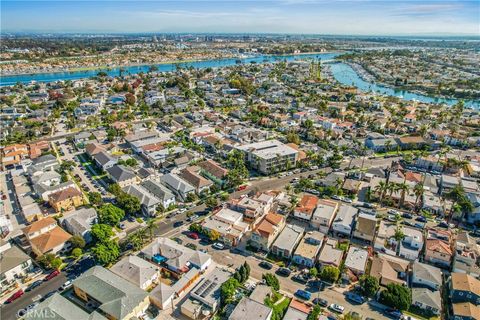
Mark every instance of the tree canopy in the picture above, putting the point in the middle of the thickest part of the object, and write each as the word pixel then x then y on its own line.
pixel 110 214
pixel 396 296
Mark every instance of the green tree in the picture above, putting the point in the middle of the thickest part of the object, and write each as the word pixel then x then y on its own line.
pixel 129 203
pixel 106 252
pixel 110 214
pixel 271 280
pixel 101 232
pixel 211 202
pixel 329 274
pixel 56 263
pixel 77 241
pixel 313 315
pixel 95 198
pixel 369 285
pixel 76 253
pixel 313 272
pixel 396 296
pixel 227 290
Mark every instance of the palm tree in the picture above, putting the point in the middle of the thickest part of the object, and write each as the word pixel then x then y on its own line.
pixel 151 226
pixel 418 190
pixel 403 188
pixel 381 188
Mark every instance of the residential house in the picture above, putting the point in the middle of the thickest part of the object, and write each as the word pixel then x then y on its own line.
pixel 93 148
pixel 465 311
pixel 425 275
pixel 61 308
pixel 365 227
pixel 14 265
pixel 356 260
pixel 149 203
pixel 389 269
pixel 330 255
pixel 13 155
pixel 79 222
pixel 229 224
pixel 411 245
pixel 104 160
pixel 308 249
pixel 66 199
pixel 297 310
pixel 162 193
pixel 122 175
pixel 111 295
pixel 175 257
pixel 305 207
pixel 287 241
pixel 427 300
pixel 267 231
pixel 438 247
pixel 136 270
pixel 45 236
pixel 251 309
pixel 213 171
pixel 385 240
pixel 343 223
pixel 205 297
pixel 324 215
pixel 192 176
pixel 464 288
pixel 177 185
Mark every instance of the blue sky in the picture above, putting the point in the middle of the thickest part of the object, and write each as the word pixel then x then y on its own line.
pixel 357 17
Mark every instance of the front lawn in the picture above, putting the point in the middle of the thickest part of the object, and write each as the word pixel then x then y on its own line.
pixel 279 308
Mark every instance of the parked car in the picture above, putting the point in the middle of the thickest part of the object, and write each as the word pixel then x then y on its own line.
pixel 48 295
pixel 65 286
pixel 193 235
pixel 300 278
pixel 33 285
pixel 337 308
pixel 421 219
pixel 407 215
pixel 303 294
pixel 15 296
pixel 266 265
pixel 284 272
pixel 355 297
pixel 396 314
pixel 52 275
pixel 178 224
pixel 218 246
pixel 320 302
pixel 443 224
pixel 242 188
pixel 191 246
pixel 178 240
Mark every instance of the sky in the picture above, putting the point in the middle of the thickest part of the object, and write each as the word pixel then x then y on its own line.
pixel 336 17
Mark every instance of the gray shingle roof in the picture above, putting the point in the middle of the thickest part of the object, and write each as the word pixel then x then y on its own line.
pixel 177 183
pixel 146 199
pixel 58 307
pixel 157 189
pixel 120 173
pixel 117 296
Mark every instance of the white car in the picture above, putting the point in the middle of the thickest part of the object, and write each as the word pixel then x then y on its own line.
pixel 218 245
pixel 337 308
pixel 66 285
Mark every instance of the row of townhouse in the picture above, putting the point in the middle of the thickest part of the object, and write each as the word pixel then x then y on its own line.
pixel 15 154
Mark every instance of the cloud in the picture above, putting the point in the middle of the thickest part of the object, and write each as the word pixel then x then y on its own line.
pixel 428 9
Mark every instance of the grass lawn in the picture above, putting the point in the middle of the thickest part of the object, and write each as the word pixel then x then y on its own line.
pixel 279 309
pixel 419 314
pixel 343 245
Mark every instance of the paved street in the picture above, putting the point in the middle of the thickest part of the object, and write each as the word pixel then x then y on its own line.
pixel 9 311
pixel 287 285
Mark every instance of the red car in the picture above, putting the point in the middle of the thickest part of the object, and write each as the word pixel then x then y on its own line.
pixel 15 296
pixel 52 275
pixel 242 188
pixel 193 235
